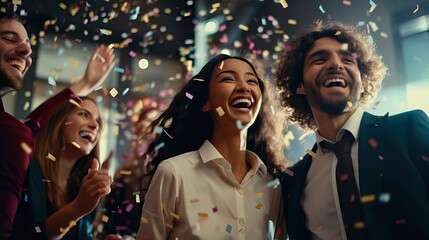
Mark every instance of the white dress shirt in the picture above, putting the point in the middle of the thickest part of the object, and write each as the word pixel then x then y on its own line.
pixel 196 196
pixel 320 197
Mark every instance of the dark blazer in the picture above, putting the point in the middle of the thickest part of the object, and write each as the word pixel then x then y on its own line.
pixel 393 163
pixel 33 210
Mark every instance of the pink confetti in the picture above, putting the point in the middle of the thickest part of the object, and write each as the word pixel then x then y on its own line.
pixel 373 143
pixel 400 221
pixel 288 172
pixel 133 54
pixel 168 134
pixel 214 210
pixel 188 95
pixel 129 207
pixel 348 3
pixel 425 158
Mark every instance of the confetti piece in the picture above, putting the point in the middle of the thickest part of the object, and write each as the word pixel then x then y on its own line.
pixel 46 180
pixel 203 216
pixel 51 81
pixel 359 225
pixel 51 157
pixel 118 69
pixel 76 144
pixel 198 79
pixel 425 158
pixel 105 218
pixel 125 172
pixel 291 21
pixel 125 91
pixel 214 209
pixel 188 95
pixel 274 183
pixel 137 199
pixel 239 124
pixel 288 172
pixel 228 228
pixel 383 34
pixel 311 153
pixel 221 65
pixel 384 197
pixel 159 146
pixel 220 111
pixel 259 195
pixel 27 149
pixel 113 92
pixel 243 27
pixel 400 221
pixel 26 106
pixel 38 230
pixel 283 3
pixel 321 9
pixel 72 101
pixel 168 134
pixel 346 2
pixel 373 26
pixel 195 200
pixel 175 216
pixel 373 6
pixel 144 220
pixel 367 198
pixel 106 31
pixel 417 8
pixel 259 206
pixel 373 143
pixel 315 228
pixel 344 177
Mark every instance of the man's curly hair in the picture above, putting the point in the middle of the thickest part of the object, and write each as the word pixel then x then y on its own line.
pixel 289 72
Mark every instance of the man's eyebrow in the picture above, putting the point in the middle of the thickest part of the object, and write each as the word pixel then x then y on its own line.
pixel 325 52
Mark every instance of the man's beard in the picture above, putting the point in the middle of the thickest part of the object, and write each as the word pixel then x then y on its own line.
pixel 340 106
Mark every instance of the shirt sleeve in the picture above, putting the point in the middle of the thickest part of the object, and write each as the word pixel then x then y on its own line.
pixel 41 114
pixel 16 146
pixel 160 201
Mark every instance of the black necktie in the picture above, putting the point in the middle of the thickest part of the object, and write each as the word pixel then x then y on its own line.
pixel 348 193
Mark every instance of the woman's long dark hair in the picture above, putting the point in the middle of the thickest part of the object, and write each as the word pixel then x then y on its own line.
pixel 183 127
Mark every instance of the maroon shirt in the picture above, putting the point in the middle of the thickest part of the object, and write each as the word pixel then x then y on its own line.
pixel 14 158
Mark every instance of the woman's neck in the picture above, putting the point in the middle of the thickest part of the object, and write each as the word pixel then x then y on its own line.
pixel 233 149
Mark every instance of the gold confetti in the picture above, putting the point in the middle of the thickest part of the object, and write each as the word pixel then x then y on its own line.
pixel 17 2
pixel 284 3
pixel 72 101
pixel 76 144
pixel 372 9
pixel 26 105
pixel 259 195
pixel 344 46
pixel 367 198
pixel 51 157
pixel 137 198
pixel 63 6
pixel 311 153
pixel 359 225
pixel 291 21
pixel 243 27
pixel 105 218
pixel 203 216
pixel 27 149
pixel 383 34
pixel 125 172
pixel 195 200
pixel 259 206
pixel 338 33
pixel 113 92
pixel 144 220
pixel 315 228
pixel 220 111
pixel 221 65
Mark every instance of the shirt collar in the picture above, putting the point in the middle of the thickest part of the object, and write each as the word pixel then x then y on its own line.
pixel 209 153
pixel 351 125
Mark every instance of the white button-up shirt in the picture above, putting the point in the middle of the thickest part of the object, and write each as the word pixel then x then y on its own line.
pixel 196 196
pixel 320 197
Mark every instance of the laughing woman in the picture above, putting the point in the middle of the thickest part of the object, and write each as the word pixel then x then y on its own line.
pixel 213 167
pixel 64 182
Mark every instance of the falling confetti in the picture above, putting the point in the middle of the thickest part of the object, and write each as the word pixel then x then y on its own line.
pixel 220 111
pixel 27 149
pixel 283 3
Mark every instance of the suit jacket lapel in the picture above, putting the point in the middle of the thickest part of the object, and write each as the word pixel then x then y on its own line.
pixel 371 143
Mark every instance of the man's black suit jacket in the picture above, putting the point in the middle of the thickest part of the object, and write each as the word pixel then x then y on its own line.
pixel 394 162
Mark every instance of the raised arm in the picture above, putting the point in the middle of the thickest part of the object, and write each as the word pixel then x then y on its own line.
pixel 99 66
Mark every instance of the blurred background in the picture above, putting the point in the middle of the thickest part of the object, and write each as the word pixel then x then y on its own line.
pixel 160 43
